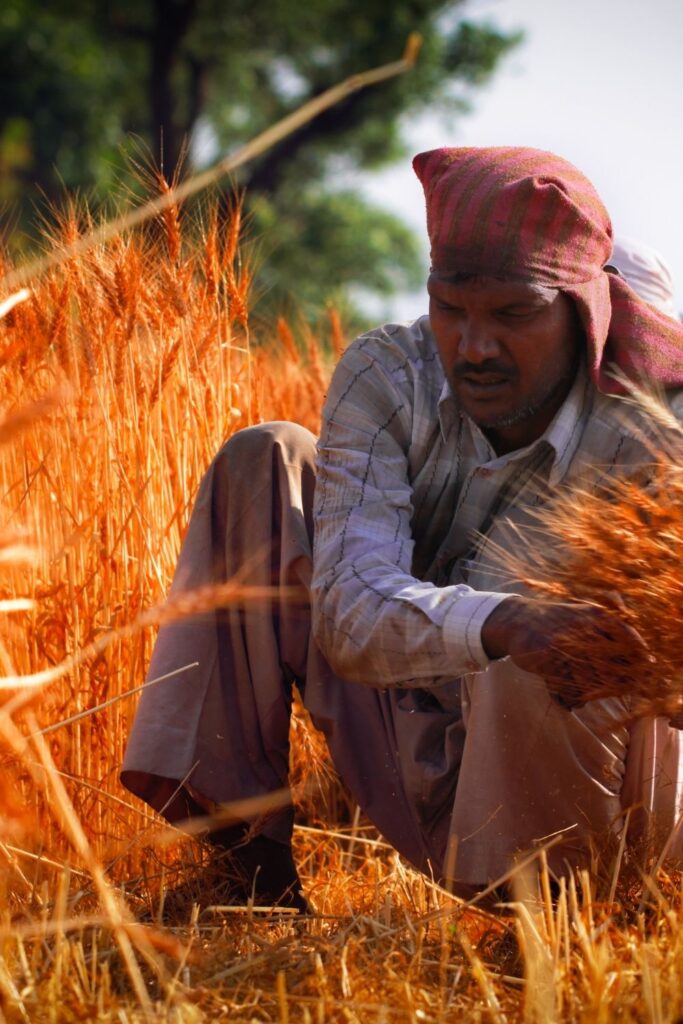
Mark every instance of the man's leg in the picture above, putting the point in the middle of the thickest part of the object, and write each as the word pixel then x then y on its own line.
pixel 532 774
pixel 222 725
pixel 219 730
pixel 398 751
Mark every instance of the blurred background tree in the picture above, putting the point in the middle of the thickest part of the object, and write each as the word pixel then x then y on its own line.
pixel 84 82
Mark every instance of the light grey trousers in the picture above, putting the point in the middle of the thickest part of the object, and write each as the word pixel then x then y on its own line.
pixel 420 770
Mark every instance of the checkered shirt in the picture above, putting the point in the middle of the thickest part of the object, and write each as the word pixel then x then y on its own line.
pixel 405 484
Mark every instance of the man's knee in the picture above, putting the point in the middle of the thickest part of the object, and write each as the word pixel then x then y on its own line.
pixel 269 463
pixel 253 446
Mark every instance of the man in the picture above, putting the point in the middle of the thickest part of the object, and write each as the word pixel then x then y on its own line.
pixel 440 685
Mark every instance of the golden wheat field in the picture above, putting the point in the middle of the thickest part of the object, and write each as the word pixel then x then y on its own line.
pixel 123 370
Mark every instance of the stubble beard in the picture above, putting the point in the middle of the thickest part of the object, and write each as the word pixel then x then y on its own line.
pixel 514 417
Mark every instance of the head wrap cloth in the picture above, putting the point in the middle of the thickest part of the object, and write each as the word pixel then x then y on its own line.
pixel 527 215
pixel 647 273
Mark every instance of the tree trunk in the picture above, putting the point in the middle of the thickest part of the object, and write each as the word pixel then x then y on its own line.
pixel 172 21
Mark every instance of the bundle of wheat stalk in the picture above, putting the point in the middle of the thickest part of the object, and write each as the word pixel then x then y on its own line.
pixel 619 546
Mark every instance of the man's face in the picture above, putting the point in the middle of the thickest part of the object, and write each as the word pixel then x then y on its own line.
pixel 509 351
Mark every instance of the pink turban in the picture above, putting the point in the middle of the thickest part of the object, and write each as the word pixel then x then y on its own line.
pixel 526 215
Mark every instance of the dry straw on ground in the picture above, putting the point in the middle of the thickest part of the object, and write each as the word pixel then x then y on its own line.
pixel 123 372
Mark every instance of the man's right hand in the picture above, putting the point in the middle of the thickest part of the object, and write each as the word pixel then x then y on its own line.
pixel 543 637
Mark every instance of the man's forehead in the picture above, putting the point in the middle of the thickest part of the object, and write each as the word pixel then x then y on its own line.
pixel 498 288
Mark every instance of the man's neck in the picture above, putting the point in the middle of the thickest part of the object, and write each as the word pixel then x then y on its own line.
pixel 531 426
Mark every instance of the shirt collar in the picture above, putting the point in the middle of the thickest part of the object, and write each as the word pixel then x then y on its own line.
pixel 563 434
pixel 569 423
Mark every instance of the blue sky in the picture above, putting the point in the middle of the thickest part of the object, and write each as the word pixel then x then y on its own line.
pixel 599 82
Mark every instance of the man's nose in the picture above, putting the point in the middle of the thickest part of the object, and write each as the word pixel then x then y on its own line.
pixel 477 341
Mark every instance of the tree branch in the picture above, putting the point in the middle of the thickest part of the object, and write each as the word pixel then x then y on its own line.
pixel 268 174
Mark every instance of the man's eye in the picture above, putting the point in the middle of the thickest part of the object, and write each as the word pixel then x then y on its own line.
pixel 516 313
pixel 445 307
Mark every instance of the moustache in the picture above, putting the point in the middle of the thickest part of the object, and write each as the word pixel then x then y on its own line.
pixel 491 366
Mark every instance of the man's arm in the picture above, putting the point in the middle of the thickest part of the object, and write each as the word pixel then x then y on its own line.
pixel 374 621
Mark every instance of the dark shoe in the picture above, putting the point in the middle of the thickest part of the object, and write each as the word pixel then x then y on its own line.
pixel 259 869
pixel 259 873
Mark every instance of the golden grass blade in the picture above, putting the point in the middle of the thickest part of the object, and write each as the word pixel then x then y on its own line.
pixel 536 929
pixel 619 858
pixel 8 304
pixel 63 808
pixel 42 859
pixel 228 814
pixel 19 420
pixel 484 981
pixel 343 836
pixel 18 554
pixel 256 908
pixel 523 864
pixel 113 700
pixel 117 915
pixel 16 604
pixel 179 606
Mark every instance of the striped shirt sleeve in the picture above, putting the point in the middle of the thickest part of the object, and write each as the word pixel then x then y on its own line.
pixel 373 620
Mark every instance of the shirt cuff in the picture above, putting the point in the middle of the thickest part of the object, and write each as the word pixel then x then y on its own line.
pixel 462 628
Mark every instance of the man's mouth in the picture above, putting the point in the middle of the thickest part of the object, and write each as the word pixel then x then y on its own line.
pixel 482 383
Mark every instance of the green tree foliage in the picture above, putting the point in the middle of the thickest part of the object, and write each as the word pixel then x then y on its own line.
pixel 80 78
